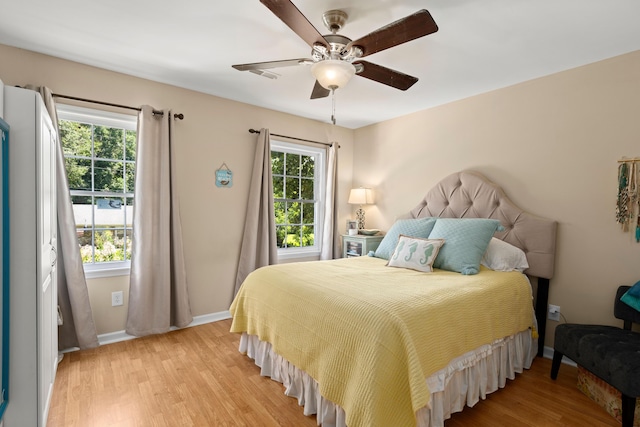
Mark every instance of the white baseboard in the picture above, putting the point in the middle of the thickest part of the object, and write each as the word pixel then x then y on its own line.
pixel 113 337
pixel 547 353
pixel 210 318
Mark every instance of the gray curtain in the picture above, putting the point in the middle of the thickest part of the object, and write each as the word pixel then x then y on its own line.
pixel 158 294
pixel 259 238
pixel 330 237
pixel 78 328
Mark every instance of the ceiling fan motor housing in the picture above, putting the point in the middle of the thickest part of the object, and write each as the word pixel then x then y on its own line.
pixel 334 20
pixel 338 49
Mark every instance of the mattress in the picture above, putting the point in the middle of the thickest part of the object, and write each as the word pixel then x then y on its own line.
pixel 370 336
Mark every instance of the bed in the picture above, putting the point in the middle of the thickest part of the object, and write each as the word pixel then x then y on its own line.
pixel 360 343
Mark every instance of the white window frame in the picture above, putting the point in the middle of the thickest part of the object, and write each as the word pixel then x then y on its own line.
pixel 319 185
pixel 109 119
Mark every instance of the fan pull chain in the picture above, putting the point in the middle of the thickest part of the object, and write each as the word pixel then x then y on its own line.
pixel 333 106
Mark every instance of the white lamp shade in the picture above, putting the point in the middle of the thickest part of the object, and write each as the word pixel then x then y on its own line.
pixel 333 73
pixel 361 196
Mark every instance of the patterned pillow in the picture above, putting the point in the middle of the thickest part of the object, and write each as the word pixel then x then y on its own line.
pixel 415 227
pixel 415 253
pixel 467 241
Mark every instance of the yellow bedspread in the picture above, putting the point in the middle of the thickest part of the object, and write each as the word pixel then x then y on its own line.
pixel 370 335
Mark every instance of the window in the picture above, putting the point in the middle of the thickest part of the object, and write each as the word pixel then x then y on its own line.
pixel 99 151
pixel 298 191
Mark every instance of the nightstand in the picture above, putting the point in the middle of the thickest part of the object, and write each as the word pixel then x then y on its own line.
pixel 359 244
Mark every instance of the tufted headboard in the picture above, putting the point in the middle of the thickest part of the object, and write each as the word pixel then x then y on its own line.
pixel 468 194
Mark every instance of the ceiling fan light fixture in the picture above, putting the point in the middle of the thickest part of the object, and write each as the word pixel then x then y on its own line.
pixel 333 73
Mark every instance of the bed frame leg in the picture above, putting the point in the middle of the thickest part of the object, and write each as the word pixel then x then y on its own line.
pixel 542 299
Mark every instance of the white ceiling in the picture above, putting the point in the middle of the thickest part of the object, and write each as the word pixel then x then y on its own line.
pixel 482 45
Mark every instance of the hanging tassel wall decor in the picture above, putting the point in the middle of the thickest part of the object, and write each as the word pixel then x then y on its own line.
pixel 628 201
pixel 622 207
pixel 633 197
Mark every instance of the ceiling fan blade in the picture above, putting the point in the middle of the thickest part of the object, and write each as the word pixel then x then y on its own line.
pixel 272 64
pixel 290 15
pixel 401 31
pixel 386 76
pixel 319 92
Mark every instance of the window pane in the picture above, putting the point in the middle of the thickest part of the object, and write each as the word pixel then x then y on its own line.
pixel 127 243
pixel 109 212
pixel 308 166
pixel 129 211
pixel 75 138
pixel 78 173
pixel 280 213
pixel 293 164
pixel 307 189
pixel 281 233
pixel 130 175
pixel 108 143
pixel 292 189
pixel 108 176
pixel 308 213
pixel 82 211
pixel 109 245
pixel 278 187
pixel 84 240
pixel 293 236
pixel 293 213
pixel 307 236
pixel 130 144
pixel 277 163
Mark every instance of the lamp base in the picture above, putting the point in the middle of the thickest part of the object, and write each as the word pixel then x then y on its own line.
pixel 360 218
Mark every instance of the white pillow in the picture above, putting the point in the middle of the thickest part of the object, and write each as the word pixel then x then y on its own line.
pixel 415 253
pixel 502 256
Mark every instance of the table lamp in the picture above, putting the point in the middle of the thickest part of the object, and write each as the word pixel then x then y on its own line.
pixel 360 196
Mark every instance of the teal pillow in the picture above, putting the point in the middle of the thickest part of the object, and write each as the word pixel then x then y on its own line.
pixel 632 296
pixel 414 227
pixel 467 240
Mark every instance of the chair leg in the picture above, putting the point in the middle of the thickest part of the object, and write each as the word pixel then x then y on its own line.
pixel 628 409
pixel 555 364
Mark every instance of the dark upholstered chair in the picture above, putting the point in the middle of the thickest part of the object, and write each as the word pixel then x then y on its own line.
pixel 610 353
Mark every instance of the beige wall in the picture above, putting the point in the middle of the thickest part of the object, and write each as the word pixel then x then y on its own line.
pixel 553 144
pixel 214 131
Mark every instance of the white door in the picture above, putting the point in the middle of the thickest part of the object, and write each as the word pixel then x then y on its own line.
pixel 47 256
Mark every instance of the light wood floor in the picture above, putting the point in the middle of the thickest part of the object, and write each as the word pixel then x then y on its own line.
pixel 197 377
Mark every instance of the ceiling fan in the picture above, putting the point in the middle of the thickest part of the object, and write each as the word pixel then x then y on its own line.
pixel 336 58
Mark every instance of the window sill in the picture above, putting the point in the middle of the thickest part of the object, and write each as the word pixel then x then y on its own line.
pixel 287 254
pixel 107 269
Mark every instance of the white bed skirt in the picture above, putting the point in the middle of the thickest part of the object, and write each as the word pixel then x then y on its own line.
pixel 466 380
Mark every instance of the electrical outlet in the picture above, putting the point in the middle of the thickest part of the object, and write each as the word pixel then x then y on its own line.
pixel 117 298
pixel 554 312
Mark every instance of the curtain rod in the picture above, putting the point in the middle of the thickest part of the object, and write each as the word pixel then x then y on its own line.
pixel 293 137
pixel 634 160
pixel 179 116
